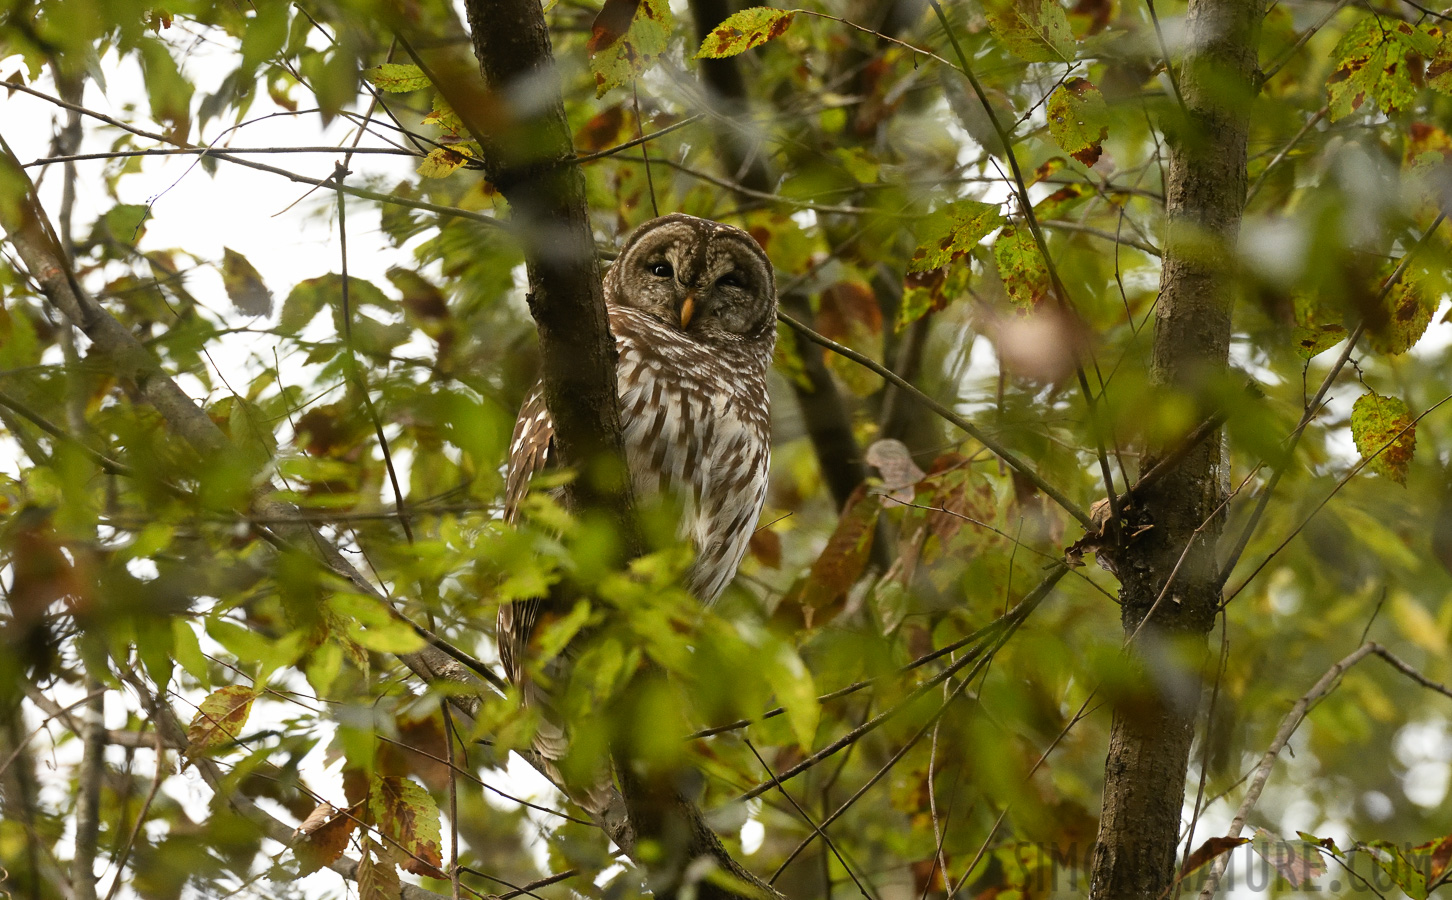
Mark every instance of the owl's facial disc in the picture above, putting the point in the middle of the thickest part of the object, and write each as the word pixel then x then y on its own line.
pixel 707 279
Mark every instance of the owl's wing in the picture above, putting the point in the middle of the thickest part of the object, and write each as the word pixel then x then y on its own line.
pixel 529 450
pixel 529 454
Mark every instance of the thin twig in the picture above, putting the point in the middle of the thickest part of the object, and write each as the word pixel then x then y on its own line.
pixel 997 449
pixel 162 770
pixel 1314 407
pixel 1061 293
pixel 1004 626
pixel 816 829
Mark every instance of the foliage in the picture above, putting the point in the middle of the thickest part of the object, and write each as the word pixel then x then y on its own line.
pixel 174 582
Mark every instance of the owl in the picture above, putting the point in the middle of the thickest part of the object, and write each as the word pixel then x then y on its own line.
pixel 692 306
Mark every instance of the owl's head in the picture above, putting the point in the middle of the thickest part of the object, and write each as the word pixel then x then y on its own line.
pixel 712 281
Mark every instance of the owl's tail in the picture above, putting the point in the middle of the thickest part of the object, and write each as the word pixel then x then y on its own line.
pixel 599 797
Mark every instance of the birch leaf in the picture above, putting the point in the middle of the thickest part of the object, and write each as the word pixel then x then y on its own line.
pixel 744 30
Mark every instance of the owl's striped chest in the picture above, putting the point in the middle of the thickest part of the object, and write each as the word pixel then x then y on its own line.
pixel 695 425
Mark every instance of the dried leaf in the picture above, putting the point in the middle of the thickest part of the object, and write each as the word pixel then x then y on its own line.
pixel 377 878
pixel 848 310
pixel 1208 851
pixel 244 286
pixel 1439 859
pixel 765 547
pixel 1079 120
pixel 1297 861
pixel 841 562
pixel 407 814
pixel 315 819
pixel 894 462
pixel 1385 434
pixel 744 30
pixel 220 718
pixel 324 844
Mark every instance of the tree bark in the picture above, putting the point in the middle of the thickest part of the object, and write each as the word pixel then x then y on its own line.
pixel 530 158
pixel 1170 571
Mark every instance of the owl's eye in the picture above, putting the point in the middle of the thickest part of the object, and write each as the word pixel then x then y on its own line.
pixel 730 280
pixel 662 270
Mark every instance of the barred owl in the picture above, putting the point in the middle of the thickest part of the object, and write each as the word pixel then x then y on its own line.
pixel 692 306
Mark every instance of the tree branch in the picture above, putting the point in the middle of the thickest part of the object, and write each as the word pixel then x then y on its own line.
pixel 1008 456
pixel 1289 723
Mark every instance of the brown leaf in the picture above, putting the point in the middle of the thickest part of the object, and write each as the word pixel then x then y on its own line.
pixel 847 308
pixel 1209 850
pixel 611 24
pixel 325 843
pixel 765 547
pixel 834 573
pixel 407 814
pixel 377 878
pixel 894 462
pixel 604 128
pixel 1296 861
pixel 315 819
pixel 928 876
pixel 420 749
pixel 1441 857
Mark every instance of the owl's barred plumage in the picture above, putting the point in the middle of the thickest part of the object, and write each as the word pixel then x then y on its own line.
pixel 692 306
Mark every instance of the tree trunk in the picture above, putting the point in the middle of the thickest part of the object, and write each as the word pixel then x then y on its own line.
pixel 1151 734
pixel 529 156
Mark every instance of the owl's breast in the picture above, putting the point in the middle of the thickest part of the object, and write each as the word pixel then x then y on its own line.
pixel 697 429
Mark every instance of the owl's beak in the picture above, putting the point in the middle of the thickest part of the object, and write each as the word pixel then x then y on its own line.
pixel 688 308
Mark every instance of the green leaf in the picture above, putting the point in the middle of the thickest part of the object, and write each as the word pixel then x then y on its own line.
pixel 1385 434
pixel 306 299
pixel 244 285
pixel 1403 319
pixel 126 222
pixel 797 694
pixel 397 78
pixel 626 38
pixel 1033 30
pixel 444 117
pixel 1313 334
pixel 930 291
pixel 1439 69
pixel 167 88
pixel 1021 266
pixel 1405 872
pixel 1377 59
pixel 1079 120
pixel 744 30
pixel 369 623
pixel 220 718
pixel 188 651
pixel 952 232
